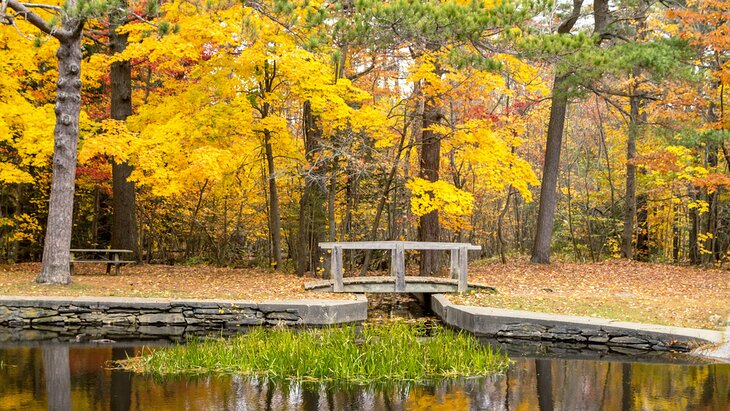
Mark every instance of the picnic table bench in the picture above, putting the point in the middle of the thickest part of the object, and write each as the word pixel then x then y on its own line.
pixel 110 257
pixel 459 261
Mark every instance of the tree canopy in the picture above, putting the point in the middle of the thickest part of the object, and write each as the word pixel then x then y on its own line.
pixel 259 128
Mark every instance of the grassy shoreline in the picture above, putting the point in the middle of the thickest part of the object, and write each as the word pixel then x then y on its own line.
pixel 394 352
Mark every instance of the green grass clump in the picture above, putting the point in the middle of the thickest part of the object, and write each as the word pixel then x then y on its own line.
pixel 377 353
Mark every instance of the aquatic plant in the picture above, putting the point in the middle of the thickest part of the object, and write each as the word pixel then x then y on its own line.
pixel 398 351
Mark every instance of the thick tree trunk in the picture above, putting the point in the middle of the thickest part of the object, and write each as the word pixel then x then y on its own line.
pixel 627 250
pixel 551 169
pixel 56 250
pixel 312 213
pixel 124 224
pixel 428 224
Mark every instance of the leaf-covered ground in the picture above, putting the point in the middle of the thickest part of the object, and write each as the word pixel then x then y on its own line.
pixel 617 289
pixel 199 282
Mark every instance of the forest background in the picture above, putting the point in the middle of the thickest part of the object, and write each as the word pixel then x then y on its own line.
pixel 244 133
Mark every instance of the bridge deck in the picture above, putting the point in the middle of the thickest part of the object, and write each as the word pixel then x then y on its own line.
pixel 387 284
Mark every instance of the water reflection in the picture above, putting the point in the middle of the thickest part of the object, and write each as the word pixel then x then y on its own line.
pixel 61 377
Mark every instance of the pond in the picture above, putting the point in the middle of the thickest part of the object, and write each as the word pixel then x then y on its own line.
pixel 77 377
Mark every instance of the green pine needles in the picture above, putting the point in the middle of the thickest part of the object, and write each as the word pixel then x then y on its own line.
pixel 396 352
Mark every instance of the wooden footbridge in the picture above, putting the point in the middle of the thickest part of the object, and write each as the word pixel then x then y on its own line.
pixel 397 282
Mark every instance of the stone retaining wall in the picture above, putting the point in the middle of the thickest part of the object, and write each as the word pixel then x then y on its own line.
pixel 19 315
pixel 587 331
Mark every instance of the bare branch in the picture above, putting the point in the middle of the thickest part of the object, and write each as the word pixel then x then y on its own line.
pixel 259 8
pixel 95 40
pixel 43 6
pixel 355 76
pixel 15 26
pixel 36 20
pixel 142 19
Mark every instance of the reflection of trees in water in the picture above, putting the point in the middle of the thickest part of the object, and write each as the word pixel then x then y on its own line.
pixel 56 368
pixel 121 382
pixel 544 378
pixel 528 384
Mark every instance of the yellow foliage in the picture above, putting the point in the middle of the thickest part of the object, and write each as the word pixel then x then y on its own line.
pixel 455 206
pixel 488 149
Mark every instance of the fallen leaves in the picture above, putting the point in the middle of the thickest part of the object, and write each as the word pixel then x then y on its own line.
pixel 161 281
pixel 616 289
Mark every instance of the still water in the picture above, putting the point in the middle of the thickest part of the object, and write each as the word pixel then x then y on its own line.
pixel 77 377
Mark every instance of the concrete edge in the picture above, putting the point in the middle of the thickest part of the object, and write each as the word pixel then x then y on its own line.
pixel 27 311
pixel 526 325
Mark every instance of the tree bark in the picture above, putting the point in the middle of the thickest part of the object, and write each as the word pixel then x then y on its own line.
pixel 551 169
pixel 124 223
pixel 429 228
pixel 57 245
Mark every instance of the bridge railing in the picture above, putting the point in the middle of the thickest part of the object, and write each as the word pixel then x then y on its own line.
pixel 459 260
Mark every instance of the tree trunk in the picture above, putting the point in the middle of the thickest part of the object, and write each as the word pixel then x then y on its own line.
pixel 124 223
pixel 551 169
pixel 627 250
pixel 57 245
pixel 551 166
pixel 275 213
pixel 694 220
pixel 500 223
pixel 312 211
pixel 642 228
pixel 429 162
pixel 713 148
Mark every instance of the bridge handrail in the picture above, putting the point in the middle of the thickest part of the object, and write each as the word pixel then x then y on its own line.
pixel 391 245
pixel 459 260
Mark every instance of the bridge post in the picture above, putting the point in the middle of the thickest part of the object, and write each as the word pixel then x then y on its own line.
pixel 400 268
pixel 454 263
pixel 336 269
pixel 463 263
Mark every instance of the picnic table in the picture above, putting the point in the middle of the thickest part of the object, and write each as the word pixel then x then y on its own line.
pixel 459 260
pixel 110 257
